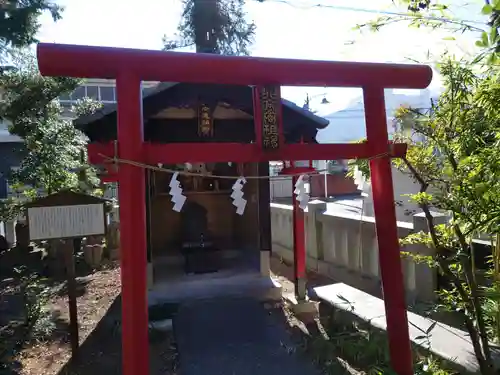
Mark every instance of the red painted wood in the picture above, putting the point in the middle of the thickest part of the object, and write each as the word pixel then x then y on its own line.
pixel 106 62
pixel 387 235
pixel 299 245
pixel 257 116
pixel 154 153
pixel 296 170
pixel 299 236
pixel 131 192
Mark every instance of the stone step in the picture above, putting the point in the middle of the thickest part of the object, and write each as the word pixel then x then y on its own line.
pixel 250 284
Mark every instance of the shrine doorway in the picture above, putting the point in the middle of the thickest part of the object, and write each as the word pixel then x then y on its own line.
pixel 207 236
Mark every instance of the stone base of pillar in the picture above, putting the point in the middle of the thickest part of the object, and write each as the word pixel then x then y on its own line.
pixel 265 263
pixel 305 311
pixel 301 289
pixel 305 307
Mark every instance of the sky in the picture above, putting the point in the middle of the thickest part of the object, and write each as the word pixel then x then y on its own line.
pixel 290 29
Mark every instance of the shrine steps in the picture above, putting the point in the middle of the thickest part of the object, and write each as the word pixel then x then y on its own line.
pixel 214 285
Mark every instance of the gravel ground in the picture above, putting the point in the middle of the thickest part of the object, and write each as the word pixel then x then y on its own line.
pixel 236 336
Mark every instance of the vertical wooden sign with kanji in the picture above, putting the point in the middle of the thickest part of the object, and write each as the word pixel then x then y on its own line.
pixel 270 104
pixel 205 121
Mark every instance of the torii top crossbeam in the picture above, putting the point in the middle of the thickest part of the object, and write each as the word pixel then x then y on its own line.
pixel 102 62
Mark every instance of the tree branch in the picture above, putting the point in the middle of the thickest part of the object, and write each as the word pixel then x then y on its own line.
pixel 476 302
pixel 484 357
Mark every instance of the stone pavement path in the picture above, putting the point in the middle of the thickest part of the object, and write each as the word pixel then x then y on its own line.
pixel 235 336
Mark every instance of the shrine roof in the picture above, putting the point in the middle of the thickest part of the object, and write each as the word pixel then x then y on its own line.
pixel 67 198
pixel 150 94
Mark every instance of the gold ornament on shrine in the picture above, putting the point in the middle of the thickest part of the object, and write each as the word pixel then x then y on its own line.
pixel 205 121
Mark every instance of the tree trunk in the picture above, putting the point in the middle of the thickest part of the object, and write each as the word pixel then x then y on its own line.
pixel 205 22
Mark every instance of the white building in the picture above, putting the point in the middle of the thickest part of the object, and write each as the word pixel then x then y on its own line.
pixel 349 125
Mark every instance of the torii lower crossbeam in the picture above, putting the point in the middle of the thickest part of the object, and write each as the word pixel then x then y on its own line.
pixel 173 153
pixel 129 67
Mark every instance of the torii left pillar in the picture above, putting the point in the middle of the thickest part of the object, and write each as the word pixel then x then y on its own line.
pixel 132 226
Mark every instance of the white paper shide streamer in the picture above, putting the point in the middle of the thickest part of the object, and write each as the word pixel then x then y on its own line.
pixel 237 196
pixel 360 180
pixel 301 193
pixel 176 192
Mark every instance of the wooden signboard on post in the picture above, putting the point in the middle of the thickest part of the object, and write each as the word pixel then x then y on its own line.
pixel 67 216
pixel 60 222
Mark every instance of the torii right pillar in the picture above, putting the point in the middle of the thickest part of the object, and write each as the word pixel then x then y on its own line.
pixel 387 232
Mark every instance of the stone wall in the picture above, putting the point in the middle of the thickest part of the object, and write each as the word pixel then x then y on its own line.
pixel 344 247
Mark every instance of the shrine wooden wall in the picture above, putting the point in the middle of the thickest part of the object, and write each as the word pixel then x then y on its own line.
pixel 247 225
pixel 230 230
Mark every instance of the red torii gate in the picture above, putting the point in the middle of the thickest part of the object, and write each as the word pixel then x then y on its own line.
pixel 129 67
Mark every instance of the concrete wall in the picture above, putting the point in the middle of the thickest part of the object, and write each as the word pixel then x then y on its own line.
pixel 339 184
pixel 281 188
pixel 344 247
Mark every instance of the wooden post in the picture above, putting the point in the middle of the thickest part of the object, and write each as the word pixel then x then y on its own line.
pixel 133 252
pixel 264 219
pixel 69 262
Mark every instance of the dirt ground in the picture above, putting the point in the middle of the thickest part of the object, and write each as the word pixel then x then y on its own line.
pixel 96 292
pixel 99 333
pixel 283 272
pixel 312 336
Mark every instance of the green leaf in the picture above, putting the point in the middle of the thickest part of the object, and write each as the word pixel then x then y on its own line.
pixel 55 149
pixel 343 299
pixel 494 35
pixel 439 7
pixel 431 327
pixel 484 38
pixel 487 9
pixel 449 38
